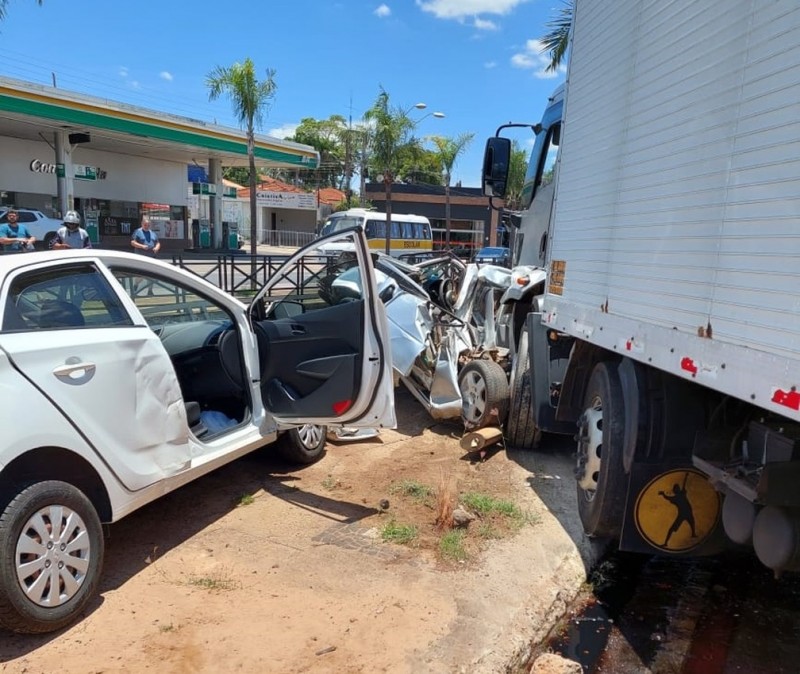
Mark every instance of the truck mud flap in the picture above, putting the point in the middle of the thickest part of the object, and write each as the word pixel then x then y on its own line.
pixel 672 509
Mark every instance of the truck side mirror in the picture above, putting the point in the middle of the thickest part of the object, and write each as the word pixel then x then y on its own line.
pixel 496 161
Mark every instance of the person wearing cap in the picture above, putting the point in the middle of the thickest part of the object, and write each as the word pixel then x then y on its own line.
pixel 14 236
pixel 71 235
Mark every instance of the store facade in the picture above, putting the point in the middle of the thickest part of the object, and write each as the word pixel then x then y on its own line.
pixel 116 163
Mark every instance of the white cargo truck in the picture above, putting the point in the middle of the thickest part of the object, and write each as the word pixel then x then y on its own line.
pixel 667 332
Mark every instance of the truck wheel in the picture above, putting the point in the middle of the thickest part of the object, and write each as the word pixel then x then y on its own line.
pixel 484 394
pixel 51 555
pixel 521 430
pixel 600 472
pixel 304 444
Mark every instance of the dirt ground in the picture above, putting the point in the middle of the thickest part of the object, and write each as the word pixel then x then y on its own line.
pixel 263 567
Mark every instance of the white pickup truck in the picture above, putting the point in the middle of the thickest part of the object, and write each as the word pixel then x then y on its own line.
pixel 39 225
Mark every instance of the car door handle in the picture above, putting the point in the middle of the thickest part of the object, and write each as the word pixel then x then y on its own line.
pixel 298 329
pixel 75 371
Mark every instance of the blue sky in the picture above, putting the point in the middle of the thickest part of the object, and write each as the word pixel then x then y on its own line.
pixel 477 61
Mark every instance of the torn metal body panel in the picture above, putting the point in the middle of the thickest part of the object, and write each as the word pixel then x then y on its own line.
pixel 441 316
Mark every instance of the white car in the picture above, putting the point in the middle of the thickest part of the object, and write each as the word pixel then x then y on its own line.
pixel 123 378
pixel 39 225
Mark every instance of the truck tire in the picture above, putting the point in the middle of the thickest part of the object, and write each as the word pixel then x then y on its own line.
pixel 304 445
pixel 484 394
pixel 600 474
pixel 521 429
pixel 51 556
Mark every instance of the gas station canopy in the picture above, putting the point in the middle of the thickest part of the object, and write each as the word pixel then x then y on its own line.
pixel 30 111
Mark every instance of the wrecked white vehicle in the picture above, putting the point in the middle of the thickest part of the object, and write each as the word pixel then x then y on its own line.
pixel 450 337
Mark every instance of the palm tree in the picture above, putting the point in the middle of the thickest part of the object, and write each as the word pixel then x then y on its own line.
pixel 447 151
pixel 557 40
pixel 250 100
pixel 517 167
pixel 391 131
pixel 4 4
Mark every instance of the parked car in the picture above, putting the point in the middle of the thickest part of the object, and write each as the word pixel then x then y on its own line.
pixel 39 225
pixel 494 255
pixel 114 396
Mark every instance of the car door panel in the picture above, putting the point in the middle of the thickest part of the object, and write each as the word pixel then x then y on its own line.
pixel 111 379
pixel 314 362
pixel 325 356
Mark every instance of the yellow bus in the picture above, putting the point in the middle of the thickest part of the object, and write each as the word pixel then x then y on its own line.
pixel 410 234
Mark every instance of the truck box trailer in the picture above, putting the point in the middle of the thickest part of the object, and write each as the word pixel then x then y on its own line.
pixel 669 328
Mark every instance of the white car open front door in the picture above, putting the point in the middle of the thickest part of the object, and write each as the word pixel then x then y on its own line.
pixel 323 339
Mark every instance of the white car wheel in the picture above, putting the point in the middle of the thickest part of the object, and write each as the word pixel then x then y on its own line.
pixel 51 554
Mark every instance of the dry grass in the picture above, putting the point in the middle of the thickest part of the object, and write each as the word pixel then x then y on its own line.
pixel 446 499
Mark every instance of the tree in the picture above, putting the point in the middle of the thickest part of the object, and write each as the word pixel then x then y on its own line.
pixel 237 174
pixel 391 132
pixel 327 136
pixel 420 165
pixel 250 100
pixel 4 4
pixel 518 166
pixel 448 150
pixel 556 40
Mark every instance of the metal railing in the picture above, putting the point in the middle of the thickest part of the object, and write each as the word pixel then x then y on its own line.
pixel 287 239
pixel 241 275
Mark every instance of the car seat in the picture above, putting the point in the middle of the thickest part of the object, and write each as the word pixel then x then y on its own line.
pixel 60 314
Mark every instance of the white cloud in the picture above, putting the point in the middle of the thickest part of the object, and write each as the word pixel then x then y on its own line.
pixel 462 9
pixel 134 84
pixel 533 58
pixel 383 11
pixel 484 24
pixel 123 71
pixel 490 64
pixel 166 75
pixel 285 131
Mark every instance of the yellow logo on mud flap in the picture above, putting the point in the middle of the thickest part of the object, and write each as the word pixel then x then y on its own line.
pixel 677 511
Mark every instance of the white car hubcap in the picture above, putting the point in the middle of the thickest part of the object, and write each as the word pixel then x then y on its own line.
pixel 52 555
pixel 310 435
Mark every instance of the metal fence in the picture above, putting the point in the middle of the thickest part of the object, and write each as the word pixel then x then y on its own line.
pixel 288 239
pixel 241 275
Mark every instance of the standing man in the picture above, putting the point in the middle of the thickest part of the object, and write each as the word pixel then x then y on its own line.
pixel 71 235
pixel 14 236
pixel 144 240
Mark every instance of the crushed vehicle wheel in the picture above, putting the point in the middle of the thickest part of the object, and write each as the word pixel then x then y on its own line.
pixel 304 444
pixel 521 431
pixel 51 556
pixel 600 473
pixel 484 394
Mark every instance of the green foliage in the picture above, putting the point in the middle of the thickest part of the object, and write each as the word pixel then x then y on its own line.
pixel 451 546
pixel 4 3
pixel 556 41
pixel 516 177
pixel 418 165
pixel 393 532
pixel 417 491
pixel 246 499
pixel 329 138
pixel 487 505
pixel 237 174
pixel 250 99
pixel 448 150
pixel 391 134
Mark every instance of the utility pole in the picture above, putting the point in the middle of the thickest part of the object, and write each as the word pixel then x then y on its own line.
pixel 348 157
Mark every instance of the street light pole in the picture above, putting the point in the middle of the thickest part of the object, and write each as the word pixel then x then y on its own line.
pixel 388 176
